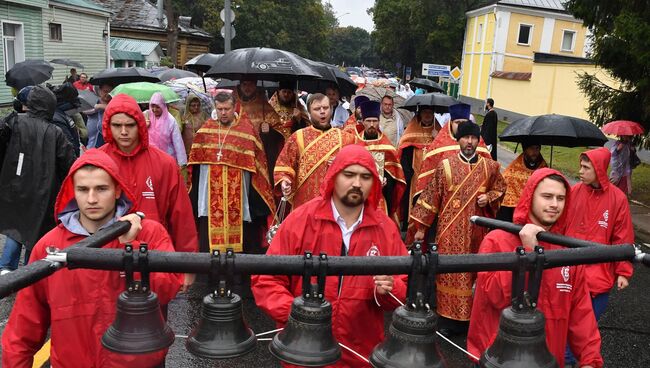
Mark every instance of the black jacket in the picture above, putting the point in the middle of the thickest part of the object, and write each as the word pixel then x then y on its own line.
pixel 37 159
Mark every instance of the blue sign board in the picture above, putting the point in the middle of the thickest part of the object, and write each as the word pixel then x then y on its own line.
pixel 436 70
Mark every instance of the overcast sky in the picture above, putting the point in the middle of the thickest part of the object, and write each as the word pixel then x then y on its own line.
pixel 357 13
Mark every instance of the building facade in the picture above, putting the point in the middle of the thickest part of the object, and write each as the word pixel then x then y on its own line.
pixel 526 55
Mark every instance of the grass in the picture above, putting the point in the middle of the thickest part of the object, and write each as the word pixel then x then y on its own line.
pixel 566 160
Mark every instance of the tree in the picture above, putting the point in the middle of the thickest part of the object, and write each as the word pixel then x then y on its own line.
pixel 350 46
pixel 621 45
pixel 412 32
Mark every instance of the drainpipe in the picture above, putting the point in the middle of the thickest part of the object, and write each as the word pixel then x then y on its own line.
pixel 108 42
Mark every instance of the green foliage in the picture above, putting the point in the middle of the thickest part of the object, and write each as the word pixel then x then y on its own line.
pixel 350 46
pixel 166 61
pixel 621 44
pixel 412 32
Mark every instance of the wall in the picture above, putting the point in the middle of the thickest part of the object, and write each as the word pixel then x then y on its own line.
pixel 579 38
pixel 30 17
pixel 478 61
pixel 83 41
pixel 552 89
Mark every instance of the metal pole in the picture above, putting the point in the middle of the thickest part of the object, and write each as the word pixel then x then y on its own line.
pixel 227 26
pixel 112 259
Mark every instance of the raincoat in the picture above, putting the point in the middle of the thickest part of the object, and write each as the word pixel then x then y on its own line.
pixel 153 176
pixel 601 215
pixel 164 132
pixel 563 297
pixel 357 321
pixel 79 305
pixel 36 160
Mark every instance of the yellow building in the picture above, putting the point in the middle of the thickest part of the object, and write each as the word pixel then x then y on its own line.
pixel 526 55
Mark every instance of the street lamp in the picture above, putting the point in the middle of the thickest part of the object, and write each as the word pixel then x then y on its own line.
pixel 337 18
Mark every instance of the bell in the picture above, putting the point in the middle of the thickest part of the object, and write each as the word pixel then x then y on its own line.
pixel 411 342
pixel 520 342
pixel 221 332
pixel 307 338
pixel 139 326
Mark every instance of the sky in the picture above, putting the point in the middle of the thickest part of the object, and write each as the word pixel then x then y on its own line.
pixel 357 13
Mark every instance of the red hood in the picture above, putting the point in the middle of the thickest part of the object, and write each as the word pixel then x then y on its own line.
pixel 600 158
pixel 526 200
pixel 91 157
pixel 353 155
pixel 125 104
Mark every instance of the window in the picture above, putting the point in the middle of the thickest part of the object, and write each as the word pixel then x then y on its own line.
pixel 13 44
pixel 479 34
pixel 55 32
pixel 525 32
pixel 568 41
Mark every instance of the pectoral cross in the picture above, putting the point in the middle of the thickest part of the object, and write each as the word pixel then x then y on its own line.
pixel 219 156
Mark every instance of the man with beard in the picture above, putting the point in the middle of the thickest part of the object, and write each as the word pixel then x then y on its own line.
pixel 231 192
pixel 266 122
pixel 339 114
pixel 464 185
pixel 303 162
pixel 418 135
pixel 353 125
pixel 385 156
pixel 390 122
pixel 489 128
pixel 563 294
pixel 285 102
pixel 343 220
pixel 516 175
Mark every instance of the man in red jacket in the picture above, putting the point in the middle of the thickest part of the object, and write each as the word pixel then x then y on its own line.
pixel 599 212
pixel 151 174
pixel 77 306
pixel 563 297
pixel 343 220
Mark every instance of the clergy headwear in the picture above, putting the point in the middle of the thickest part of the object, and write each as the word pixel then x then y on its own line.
pixel 285 84
pixel 468 128
pixel 459 111
pixel 359 100
pixel 370 109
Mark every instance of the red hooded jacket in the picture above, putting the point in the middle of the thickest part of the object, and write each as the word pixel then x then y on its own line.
pixel 79 305
pixel 357 321
pixel 153 176
pixel 601 215
pixel 563 298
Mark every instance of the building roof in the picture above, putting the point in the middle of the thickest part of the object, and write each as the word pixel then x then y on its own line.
pixel 143 15
pixel 132 45
pixel 512 75
pixel 554 5
pixel 544 58
pixel 86 4
pixel 126 55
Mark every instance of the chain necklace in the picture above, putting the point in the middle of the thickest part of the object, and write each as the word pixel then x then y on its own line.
pixel 220 142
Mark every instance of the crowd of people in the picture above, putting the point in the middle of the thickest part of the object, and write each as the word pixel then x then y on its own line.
pixel 360 183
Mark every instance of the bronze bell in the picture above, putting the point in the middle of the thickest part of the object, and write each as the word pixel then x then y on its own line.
pixel 221 332
pixel 520 342
pixel 307 338
pixel 139 326
pixel 411 341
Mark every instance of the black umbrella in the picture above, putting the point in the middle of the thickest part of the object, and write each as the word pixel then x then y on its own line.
pixel 232 84
pixel 202 62
pixel 115 76
pixel 440 102
pixel 554 130
pixel 263 64
pixel 427 85
pixel 331 74
pixel 88 100
pixel 67 62
pixel 28 73
pixel 176 74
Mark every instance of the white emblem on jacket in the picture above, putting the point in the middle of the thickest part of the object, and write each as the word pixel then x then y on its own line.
pixel 151 194
pixel 373 251
pixel 565 287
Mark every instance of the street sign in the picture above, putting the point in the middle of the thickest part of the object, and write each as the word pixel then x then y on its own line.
pixel 456 73
pixel 232 31
pixel 223 15
pixel 435 70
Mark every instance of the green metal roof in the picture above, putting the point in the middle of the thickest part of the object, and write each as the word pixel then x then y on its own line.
pixel 126 55
pixel 140 46
pixel 83 4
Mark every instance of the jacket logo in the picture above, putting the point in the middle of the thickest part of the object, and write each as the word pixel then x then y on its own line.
pixel 603 223
pixel 565 273
pixel 150 194
pixel 373 251
pixel 564 287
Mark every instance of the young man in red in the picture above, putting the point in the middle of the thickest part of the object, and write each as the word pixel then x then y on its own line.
pixel 564 297
pixel 77 306
pixel 599 212
pixel 343 220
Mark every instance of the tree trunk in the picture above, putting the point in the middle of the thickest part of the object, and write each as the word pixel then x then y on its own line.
pixel 172 32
